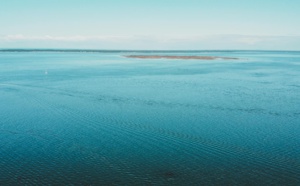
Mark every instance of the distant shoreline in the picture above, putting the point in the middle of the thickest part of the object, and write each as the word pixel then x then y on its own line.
pixel 180 57
pixel 143 51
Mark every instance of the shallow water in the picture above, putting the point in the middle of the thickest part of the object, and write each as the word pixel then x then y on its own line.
pixel 97 118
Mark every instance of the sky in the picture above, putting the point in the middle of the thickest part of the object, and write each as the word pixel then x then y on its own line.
pixel 151 24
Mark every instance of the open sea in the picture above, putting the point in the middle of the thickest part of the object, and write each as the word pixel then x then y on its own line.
pixel 78 117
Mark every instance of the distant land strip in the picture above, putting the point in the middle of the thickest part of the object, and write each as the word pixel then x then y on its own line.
pixel 180 57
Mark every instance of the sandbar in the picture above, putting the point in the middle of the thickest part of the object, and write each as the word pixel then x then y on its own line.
pixel 179 57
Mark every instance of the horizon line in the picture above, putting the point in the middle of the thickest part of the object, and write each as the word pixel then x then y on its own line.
pixel 131 50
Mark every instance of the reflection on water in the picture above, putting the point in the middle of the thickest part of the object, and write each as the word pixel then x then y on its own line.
pixel 98 118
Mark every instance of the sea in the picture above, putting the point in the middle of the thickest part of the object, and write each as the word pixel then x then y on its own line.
pixel 96 117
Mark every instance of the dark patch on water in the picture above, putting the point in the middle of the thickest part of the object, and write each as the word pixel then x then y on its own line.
pixel 296 86
pixel 9 89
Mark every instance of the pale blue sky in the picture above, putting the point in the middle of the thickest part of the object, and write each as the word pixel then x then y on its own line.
pixel 150 24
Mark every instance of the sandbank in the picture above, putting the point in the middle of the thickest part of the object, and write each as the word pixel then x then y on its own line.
pixel 179 57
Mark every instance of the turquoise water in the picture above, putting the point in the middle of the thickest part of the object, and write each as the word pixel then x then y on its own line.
pixel 97 118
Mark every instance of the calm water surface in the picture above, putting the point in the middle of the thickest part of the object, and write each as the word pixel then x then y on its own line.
pixel 97 118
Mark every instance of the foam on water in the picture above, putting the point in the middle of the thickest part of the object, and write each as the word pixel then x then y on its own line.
pixel 97 118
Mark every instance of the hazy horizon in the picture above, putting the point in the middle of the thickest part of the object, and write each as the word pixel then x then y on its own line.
pixel 154 25
pixel 133 50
